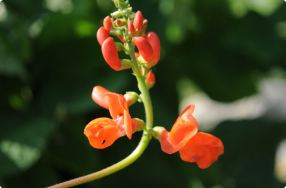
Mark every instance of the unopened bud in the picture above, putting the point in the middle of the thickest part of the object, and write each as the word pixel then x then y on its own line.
pixel 138 21
pixel 154 41
pixel 144 48
pixel 138 124
pixel 131 28
pixel 110 54
pixel 126 64
pixel 157 132
pixel 107 23
pixel 150 79
pixel 131 97
pixel 101 35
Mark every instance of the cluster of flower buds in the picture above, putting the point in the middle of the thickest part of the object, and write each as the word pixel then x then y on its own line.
pixel 193 146
pixel 118 33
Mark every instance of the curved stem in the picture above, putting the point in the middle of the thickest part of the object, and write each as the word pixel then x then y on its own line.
pixel 146 137
pixel 111 169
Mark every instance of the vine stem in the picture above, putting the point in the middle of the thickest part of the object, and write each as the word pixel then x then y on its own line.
pixel 138 151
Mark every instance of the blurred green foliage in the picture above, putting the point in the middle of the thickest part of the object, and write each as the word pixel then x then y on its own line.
pixel 50 60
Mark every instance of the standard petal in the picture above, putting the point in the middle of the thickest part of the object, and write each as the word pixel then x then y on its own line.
pixel 98 96
pixel 116 104
pixel 184 128
pixel 154 41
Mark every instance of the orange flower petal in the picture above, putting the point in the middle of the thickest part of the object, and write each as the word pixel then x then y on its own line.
pixel 203 148
pixel 117 104
pixel 98 96
pixel 102 132
pixel 184 128
pixel 166 145
pixel 154 41
pixel 128 124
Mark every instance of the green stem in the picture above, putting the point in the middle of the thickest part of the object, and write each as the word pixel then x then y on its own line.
pixel 146 137
pixel 111 169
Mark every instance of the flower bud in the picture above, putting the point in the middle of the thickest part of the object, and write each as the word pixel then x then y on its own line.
pixel 131 97
pixel 154 41
pixel 137 124
pixel 144 26
pixel 110 54
pixel 157 132
pixel 138 21
pixel 131 28
pixel 101 35
pixel 144 48
pixel 107 23
pixel 150 79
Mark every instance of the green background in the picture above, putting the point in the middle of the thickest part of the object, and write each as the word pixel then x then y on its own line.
pixel 50 60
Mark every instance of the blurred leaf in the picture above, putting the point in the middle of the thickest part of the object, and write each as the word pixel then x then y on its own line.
pixel 264 7
pixel 22 142
pixel 70 150
pixel 41 172
pixel 10 66
pixel 250 148
pixel 29 9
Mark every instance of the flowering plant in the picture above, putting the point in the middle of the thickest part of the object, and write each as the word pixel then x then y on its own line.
pixel 124 33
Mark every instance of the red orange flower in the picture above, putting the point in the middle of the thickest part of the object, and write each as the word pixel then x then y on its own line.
pixel 102 132
pixel 138 21
pixel 202 148
pixel 182 131
pixel 149 48
pixel 117 106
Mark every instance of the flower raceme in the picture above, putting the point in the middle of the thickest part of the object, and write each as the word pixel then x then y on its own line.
pixel 102 132
pixel 126 32
pixel 147 45
pixel 193 146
